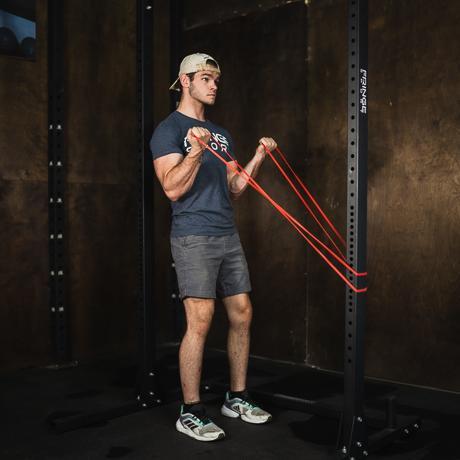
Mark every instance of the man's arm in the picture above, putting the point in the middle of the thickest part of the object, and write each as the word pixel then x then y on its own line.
pixel 177 173
pixel 237 183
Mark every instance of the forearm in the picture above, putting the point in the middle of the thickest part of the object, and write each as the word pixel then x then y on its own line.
pixel 239 182
pixel 179 180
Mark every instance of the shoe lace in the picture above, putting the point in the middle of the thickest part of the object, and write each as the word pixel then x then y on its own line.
pixel 249 402
pixel 202 418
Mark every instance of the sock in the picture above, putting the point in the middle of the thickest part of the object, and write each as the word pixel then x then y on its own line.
pixel 194 407
pixel 238 394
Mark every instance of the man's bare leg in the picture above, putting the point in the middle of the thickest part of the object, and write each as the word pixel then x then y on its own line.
pixel 199 313
pixel 239 311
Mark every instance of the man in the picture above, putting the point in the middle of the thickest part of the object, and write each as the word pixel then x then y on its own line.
pixel 205 245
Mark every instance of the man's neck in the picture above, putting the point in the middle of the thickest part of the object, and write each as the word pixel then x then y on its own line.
pixel 192 108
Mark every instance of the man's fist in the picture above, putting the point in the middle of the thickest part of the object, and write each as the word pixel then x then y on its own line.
pixel 269 143
pixel 197 134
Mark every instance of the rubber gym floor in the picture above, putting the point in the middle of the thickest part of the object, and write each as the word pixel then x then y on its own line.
pixel 34 399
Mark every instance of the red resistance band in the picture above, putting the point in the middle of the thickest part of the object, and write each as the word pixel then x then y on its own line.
pixel 312 198
pixel 340 253
pixel 294 222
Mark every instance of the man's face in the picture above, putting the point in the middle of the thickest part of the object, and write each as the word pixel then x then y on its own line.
pixel 203 87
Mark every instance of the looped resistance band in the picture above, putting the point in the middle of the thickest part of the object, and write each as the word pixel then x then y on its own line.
pixel 304 232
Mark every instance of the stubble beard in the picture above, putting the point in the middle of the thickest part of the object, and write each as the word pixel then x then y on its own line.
pixel 195 95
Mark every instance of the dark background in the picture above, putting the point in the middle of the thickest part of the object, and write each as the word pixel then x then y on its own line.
pixel 284 75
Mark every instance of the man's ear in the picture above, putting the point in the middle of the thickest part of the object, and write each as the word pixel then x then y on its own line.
pixel 185 80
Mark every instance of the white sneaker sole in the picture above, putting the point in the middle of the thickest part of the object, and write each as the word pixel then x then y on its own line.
pixel 192 434
pixel 233 414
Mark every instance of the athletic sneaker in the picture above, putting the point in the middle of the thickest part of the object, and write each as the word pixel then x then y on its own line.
pixel 245 408
pixel 198 426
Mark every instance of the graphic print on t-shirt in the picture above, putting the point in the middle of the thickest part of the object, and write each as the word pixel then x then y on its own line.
pixel 218 141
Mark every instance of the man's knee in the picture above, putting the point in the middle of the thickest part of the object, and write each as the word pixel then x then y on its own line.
pixel 199 314
pixel 244 317
pixel 239 310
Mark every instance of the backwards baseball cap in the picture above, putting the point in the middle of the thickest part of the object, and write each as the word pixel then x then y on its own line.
pixel 195 63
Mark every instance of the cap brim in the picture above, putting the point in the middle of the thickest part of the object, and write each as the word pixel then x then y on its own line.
pixel 176 85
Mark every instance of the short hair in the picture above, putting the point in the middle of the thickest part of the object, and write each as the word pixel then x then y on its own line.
pixel 212 63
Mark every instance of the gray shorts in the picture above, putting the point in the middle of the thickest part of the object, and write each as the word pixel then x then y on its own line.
pixel 210 265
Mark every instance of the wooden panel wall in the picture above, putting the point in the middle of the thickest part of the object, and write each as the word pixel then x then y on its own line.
pixel 102 186
pixel 262 95
pixel 24 318
pixel 103 175
pixel 413 325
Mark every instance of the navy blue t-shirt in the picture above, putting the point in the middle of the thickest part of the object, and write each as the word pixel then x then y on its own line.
pixel 206 209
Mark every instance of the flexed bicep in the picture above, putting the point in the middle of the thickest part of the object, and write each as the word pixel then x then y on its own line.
pixel 177 173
